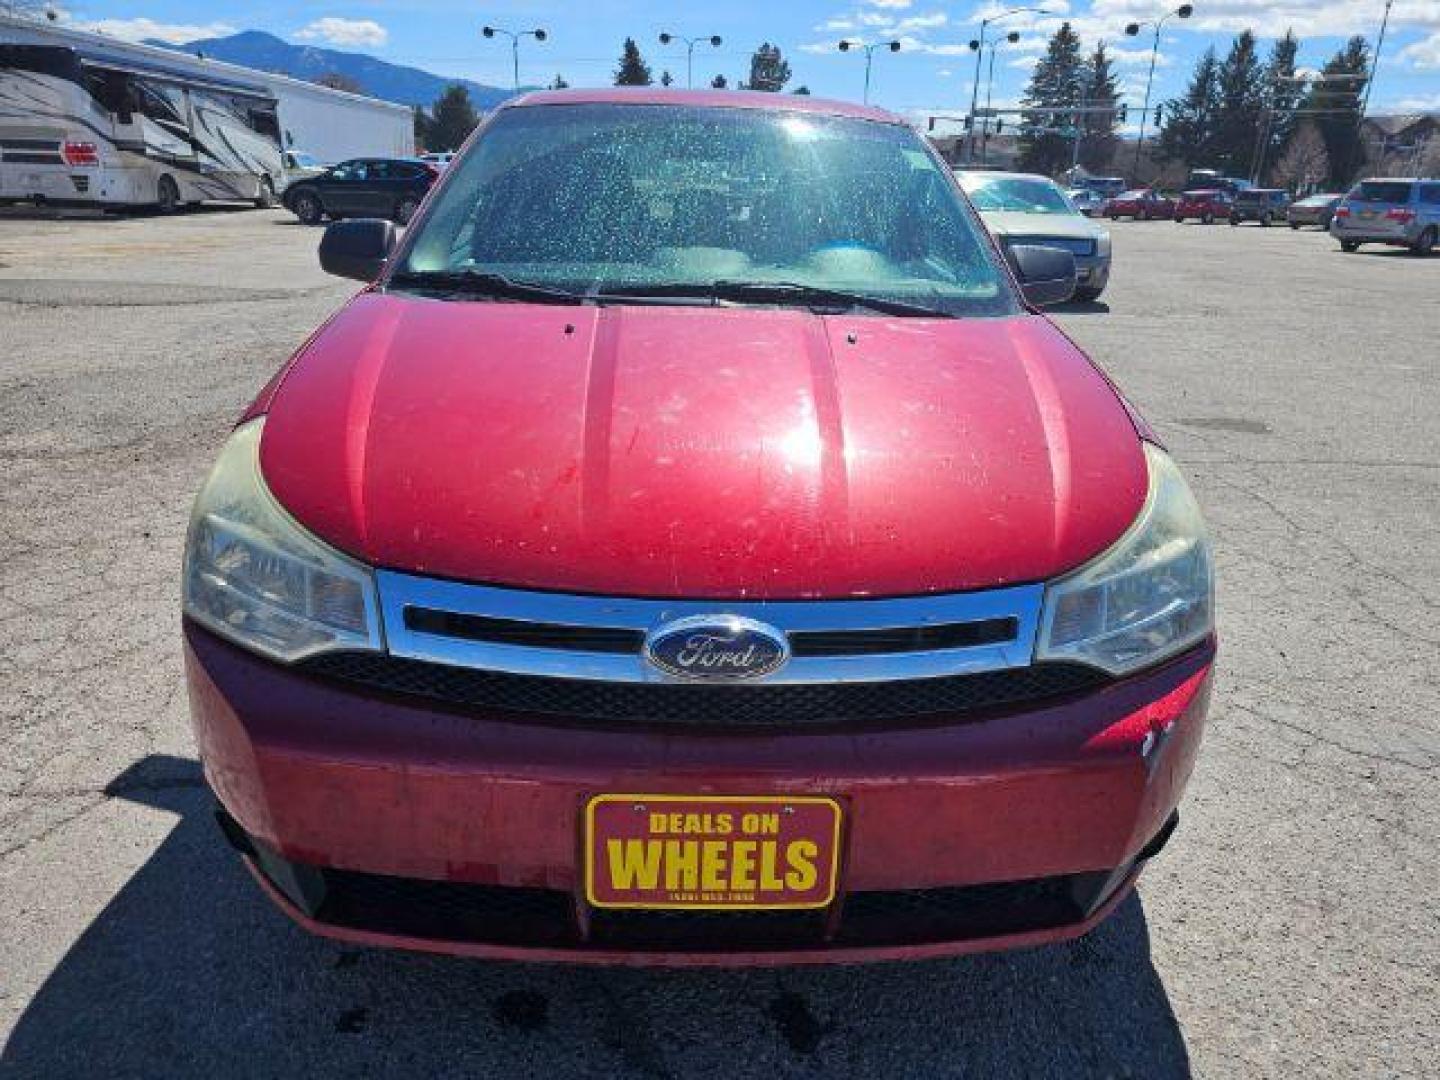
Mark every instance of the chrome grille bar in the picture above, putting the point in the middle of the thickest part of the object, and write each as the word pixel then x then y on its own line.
pixel 405 593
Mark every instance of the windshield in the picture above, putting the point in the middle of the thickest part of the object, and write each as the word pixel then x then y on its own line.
pixel 1383 191
pixel 304 161
pixel 1022 194
pixel 601 197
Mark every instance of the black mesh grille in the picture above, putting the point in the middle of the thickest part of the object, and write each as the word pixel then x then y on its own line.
pixel 740 707
pixel 449 911
pixel 547 918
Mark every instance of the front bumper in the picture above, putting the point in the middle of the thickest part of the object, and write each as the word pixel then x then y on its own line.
pixel 996 830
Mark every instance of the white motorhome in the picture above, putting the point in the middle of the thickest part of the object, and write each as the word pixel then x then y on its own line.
pixel 83 122
pixel 89 120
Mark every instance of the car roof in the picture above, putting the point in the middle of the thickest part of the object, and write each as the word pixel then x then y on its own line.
pixel 712 99
pixel 1003 174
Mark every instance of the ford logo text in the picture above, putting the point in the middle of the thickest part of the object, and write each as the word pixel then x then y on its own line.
pixel 717 647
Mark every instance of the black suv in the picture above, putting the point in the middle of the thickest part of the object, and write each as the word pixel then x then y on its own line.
pixel 364 187
pixel 1265 205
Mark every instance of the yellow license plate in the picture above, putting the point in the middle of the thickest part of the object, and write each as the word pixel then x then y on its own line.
pixel 712 853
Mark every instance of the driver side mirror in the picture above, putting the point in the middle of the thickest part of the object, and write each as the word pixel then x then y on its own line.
pixel 357 248
pixel 1047 274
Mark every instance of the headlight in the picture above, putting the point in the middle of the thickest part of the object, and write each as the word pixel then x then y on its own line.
pixel 253 575
pixel 1149 596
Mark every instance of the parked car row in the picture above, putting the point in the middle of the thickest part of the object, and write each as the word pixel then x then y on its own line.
pixel 1398 212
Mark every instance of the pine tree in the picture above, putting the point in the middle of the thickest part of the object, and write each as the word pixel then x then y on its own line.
pixel 1282 94
pixel 1099 144
pixel 452 119
pixel 1241 101
pixel 1055 83
pixel 559 83
pixel 769 71
pixel 422 130
pixel 719 82
pixel 803 91
pixel 666 78
pixel 1337 98
pixel 633 70
pixel 1188 135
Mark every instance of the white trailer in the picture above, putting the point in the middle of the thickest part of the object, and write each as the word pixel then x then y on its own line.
pixel 88 120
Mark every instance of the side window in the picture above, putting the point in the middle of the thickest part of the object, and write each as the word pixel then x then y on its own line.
pixel 379 170
pixel 1430 194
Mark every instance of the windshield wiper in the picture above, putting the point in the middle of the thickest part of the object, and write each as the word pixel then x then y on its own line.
pixel 483 283
pixel 773 292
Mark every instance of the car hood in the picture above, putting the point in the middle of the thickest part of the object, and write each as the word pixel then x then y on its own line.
pixel 1016 223
pixel 701 452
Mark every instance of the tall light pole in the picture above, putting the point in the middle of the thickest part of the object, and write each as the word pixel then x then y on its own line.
pixel 1181 12
pixel 537 34
pixel 690 43
pixel 978 45
pixel 1012 37
pixel 846 46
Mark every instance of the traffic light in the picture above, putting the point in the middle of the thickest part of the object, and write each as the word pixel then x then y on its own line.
pixel 1159 115
pixel 1122 113
pixel 931 123
pixel 999 125
pixel 969 123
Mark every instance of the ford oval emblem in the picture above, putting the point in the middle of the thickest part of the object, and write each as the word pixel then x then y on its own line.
pixel 717 648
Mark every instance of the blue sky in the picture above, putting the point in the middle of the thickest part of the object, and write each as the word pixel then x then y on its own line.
pixel 931 73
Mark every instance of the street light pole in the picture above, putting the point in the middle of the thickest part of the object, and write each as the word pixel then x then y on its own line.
pixel 1181 12
pixel 690 43
pixel 1012 37
pixel 978 47
pixel 537 34
pixel 846 46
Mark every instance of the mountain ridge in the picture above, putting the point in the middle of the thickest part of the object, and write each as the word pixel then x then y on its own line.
pixel 376 78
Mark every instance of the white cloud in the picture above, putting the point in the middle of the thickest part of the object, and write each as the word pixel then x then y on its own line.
pixel 335 31
pixel 1122 57
pixel 150 30
pixel 1271 18
pixel 894 5
pixel 840 23
pixel 1423 54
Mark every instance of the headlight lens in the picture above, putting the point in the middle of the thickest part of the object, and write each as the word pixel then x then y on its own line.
pixel 253 575
pixel 1150 596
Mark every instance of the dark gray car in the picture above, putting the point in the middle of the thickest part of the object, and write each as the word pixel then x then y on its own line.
pixel 1404 213
pixel 1265 205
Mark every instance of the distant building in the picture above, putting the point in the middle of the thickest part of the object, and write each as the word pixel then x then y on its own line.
pixel 1400 145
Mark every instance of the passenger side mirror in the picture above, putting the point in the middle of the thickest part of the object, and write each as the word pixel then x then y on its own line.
pixel 1047 274
pixel 357 249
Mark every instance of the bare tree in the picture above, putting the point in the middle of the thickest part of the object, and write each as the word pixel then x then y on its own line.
pixel 1305 162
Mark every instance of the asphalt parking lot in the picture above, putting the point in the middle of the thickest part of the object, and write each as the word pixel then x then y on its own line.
pixel 1291 928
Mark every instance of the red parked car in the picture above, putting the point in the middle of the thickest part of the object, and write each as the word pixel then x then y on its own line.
pixel 1142 204
pixel 694 547
pixel 1204 205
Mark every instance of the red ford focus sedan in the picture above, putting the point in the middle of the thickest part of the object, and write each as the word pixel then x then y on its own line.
pixel 693 547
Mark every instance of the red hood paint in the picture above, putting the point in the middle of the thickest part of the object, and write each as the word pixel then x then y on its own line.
pixel 701 452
